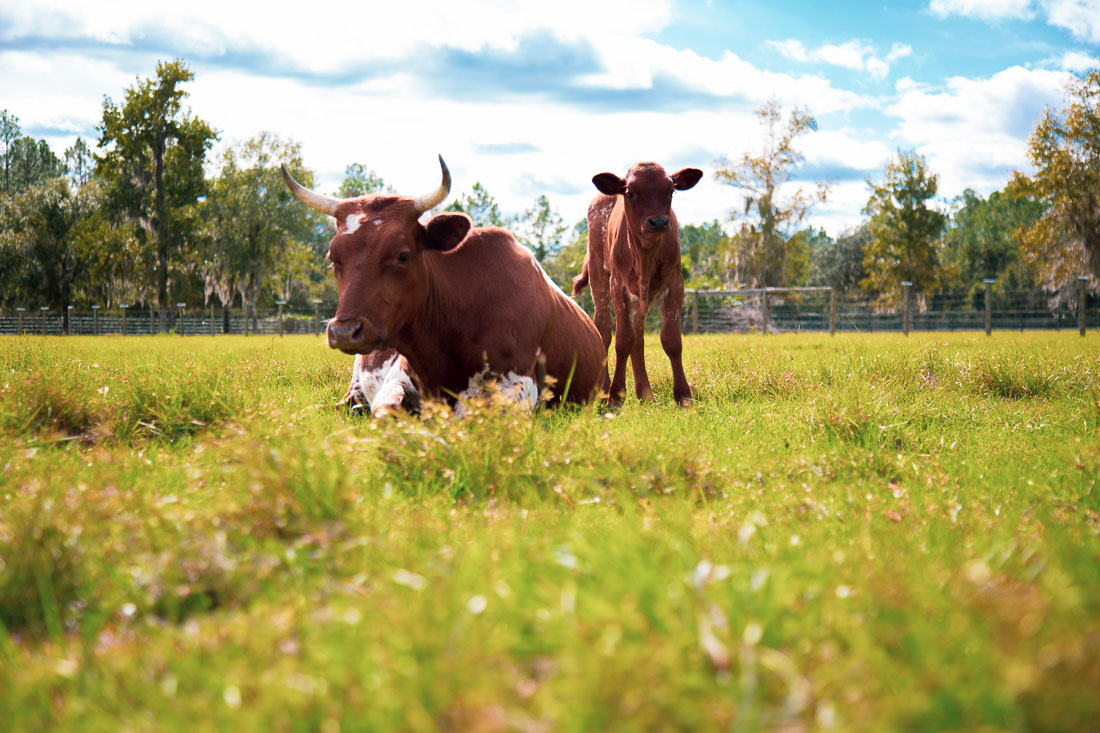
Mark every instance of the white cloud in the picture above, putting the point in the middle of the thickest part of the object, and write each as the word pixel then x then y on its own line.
pixel 854 55
pixel 791 48
pixel 898 51
pixel 1079 17
pixel 330 35
pixel 1077 61
pixel 975 130
pixel 984 9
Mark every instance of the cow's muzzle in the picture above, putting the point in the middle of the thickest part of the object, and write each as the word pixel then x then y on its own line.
pixel 658 223
pixel 352 336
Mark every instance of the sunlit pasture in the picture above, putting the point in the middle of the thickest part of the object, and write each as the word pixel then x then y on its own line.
pixel 859 532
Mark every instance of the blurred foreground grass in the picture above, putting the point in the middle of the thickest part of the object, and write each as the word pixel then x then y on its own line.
pixel 851 533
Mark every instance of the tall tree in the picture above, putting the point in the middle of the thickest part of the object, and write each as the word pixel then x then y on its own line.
pixel 256 237
pixel 32 162
pixel 1065 150
pixel 359 181
pixel 152 161
pixel 9 133
pixel 565 263
pixel 38 243
pixel 982 241
pixel 839 264
pixel 905 230
pixel 772 208
pixel 79 162
pixel 541 229
pixel 480 205
pixel 701 249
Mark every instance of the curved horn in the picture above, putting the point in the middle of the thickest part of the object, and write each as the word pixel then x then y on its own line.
pixel 433 199
pixel 324 204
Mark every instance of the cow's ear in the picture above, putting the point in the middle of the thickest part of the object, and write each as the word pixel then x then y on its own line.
pixel 609 184
pixel 445 231
pixel 685 178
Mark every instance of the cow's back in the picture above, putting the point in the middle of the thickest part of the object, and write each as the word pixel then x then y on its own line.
pixel 491 281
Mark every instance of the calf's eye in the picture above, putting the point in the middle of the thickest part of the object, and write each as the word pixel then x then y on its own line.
pixel 630 195
pixel 403 258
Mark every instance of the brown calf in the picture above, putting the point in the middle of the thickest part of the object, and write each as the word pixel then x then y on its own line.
pixel 452 300
pixel 634 258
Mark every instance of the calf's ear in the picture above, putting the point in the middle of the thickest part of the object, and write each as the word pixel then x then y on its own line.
pixel 445 231
pixel 609 184
pixel 685 178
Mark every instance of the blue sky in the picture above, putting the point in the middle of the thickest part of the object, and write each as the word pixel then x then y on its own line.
pixel 536 97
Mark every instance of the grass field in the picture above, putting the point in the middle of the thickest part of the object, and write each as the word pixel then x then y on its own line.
pixel 850 533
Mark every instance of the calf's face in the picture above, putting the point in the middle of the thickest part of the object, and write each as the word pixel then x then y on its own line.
pixel 647 196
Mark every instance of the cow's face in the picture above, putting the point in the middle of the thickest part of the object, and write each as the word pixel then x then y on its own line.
pixel 647 196
pixel 378 258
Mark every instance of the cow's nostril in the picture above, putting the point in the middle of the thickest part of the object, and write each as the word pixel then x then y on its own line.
pixel 658 223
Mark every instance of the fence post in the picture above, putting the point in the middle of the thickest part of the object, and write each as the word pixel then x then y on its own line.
pixel 280 303
pixel 832 311
pixel 764 310
pixel 124 308
pixel 152 320
pixel 42 318
pixel 69 316
pixel 95 320
pixel 906 286
pixel 20 312
pixel 181 306
pixel 695 311
pixel 1082 292
pixel 212 332
pixel 988 305
pixel 316 316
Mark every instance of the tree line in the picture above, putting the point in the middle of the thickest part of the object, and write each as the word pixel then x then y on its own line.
pixel 136 220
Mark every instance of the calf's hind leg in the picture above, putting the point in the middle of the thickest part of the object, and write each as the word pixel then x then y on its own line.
pixel 672 343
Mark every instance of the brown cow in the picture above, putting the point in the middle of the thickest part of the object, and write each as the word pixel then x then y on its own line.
pixel 452 300
pixel 634 258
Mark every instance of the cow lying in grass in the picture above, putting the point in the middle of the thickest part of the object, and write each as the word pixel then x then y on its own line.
pixel 452 300
pixel 633 258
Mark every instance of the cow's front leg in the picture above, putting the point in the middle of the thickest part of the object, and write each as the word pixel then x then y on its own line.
pixel 396 393
pixel 354 397
pixel 624 342
pixel 672 343
pixel 642 387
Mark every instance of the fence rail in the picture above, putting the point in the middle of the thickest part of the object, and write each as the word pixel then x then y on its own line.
pixel 143 323
pixel 767 310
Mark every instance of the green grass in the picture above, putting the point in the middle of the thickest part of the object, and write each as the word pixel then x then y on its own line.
pixel 851 533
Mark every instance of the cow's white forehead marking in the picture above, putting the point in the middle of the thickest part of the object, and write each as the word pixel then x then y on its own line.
pixel 352 223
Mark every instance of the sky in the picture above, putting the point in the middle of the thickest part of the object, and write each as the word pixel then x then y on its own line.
pixel 533 98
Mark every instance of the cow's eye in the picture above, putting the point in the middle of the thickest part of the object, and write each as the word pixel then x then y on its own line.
pixel 403 258
pixel 630 195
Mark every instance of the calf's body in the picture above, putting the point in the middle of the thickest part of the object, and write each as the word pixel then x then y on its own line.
pixel 633 258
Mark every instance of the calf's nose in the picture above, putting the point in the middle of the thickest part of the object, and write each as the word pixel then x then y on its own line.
pixel 658 223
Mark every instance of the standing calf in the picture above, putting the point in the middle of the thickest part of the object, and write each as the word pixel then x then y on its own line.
pixel 633 258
